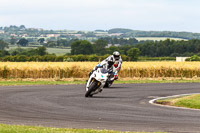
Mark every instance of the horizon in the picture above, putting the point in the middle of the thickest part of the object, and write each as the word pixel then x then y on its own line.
pixel 96 29
pixel 90 15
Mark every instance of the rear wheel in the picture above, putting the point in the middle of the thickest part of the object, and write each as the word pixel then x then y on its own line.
pixel 108 84
pixel 92 88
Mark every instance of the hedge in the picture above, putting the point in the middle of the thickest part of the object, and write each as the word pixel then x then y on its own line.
pixel 54 58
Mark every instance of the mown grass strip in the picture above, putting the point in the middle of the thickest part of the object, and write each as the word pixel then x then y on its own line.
pixel 50 82
pixel 192 101
pixel 32 129
pixel 13 83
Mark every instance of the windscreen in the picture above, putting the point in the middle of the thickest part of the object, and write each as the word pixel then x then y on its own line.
pixel 103 70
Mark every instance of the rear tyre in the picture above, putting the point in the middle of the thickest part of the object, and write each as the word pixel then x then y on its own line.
pixel 108 84
pixel 92 88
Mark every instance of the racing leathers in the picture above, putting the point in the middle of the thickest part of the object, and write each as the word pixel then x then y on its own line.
pixel 110 63
pixel 107 64
pixel 117 66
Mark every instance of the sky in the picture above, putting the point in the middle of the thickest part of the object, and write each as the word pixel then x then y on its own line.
pixel 148 15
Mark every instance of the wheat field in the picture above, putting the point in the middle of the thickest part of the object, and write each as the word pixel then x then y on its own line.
pixel 9 70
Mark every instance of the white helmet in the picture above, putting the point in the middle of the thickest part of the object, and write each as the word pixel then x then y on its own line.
pixel 116 55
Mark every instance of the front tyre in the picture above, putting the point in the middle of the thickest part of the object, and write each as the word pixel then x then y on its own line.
pixel 91 88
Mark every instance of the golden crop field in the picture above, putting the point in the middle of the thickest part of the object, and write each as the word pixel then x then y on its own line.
pixel 81 69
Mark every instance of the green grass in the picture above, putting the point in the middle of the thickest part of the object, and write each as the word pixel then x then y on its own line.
pixel 192 101
pixel 158 38
pixel 12 83
pixel 157 81
pixel 77 81
pixel 32 129
pixel 57 51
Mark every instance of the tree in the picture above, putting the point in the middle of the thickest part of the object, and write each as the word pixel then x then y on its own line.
pixel 99 46
pixel 41 50
pixel 63 43
pixel 111 49
pixel 12 41
pixel 22 27
pixel 23 42
pixel 81 47
pixel 4 53
pixel 41 40
pixel 51 44
pixel 133 53
pixel 3 45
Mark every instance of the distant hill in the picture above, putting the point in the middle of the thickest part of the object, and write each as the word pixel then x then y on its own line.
pixel 119 30
pixel 138 33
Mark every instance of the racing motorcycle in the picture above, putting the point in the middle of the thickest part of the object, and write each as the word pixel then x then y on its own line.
pixel 96 81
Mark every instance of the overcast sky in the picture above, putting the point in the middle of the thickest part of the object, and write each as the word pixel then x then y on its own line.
pixel 157 15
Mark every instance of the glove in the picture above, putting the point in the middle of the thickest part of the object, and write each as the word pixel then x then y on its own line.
pixel 115 65
pixel 98 66
pixel 116 77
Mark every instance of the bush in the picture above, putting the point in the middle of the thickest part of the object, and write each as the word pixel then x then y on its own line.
pixel 157 58
pixel 194 58
pixel 22 58
pixel 49 58
pixel 93 58
pixel 125 58
pixel 80 57
pixel 8 58
pixel 59 58
pixel 68 59
pixel 35 58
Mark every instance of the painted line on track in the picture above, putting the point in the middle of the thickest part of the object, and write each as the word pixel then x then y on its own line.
pixel 153 101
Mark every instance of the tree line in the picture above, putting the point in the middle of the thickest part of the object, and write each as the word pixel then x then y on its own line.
pixel 138 33
pixel 170 48
pixel 167 48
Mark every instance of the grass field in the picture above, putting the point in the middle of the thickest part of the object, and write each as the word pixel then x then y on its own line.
pixel 191 101
pixel 157 38
pixel 14 82
pixel 32 129
pixel 57 51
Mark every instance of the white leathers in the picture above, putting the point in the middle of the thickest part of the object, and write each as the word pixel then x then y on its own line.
pixel 117 64
pixel 112 60
pixel 107 63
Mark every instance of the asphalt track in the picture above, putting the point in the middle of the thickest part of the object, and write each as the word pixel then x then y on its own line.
pixel 123 107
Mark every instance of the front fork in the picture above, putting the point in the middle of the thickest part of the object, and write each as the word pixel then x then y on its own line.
pixel 90 81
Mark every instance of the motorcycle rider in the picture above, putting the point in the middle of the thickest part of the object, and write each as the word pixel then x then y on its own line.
pixel 118 62
pixel 112 60
pixel 107 64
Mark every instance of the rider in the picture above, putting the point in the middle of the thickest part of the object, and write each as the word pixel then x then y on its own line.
pixel 118 62
pixel 107 64
pixel 113 60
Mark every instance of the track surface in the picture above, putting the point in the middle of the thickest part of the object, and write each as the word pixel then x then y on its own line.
pixel 123 107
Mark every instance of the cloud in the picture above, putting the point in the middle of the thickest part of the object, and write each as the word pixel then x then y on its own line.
pixel 102 14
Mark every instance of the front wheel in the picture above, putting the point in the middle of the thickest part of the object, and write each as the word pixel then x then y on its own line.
pixel 91 89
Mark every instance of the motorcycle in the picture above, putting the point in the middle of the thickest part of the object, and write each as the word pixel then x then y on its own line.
pixel 96 81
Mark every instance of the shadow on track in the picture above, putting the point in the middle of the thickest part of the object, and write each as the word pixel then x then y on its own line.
pixel 107 97
pixel 116 87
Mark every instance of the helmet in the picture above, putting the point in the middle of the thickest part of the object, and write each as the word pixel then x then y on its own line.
pixel 116 55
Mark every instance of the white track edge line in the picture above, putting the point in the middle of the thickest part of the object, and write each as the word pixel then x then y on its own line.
pixel 153 101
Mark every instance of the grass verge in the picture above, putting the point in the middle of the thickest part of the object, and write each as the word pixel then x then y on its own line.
pixel 192 101
pixel 31 129
pixel 12 82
